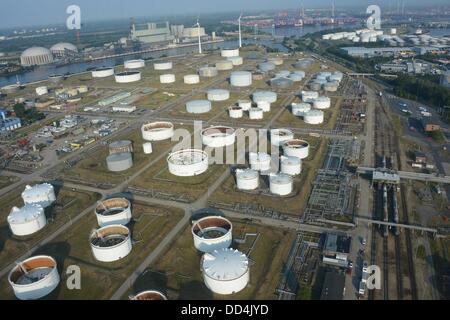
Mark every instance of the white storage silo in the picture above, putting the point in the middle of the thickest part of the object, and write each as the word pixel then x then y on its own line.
pixel 149 295
pixel 167 78
pixel 119 161
pixel 236 61
pixel 225 271
pixel 241 79
pixel 255 113
pixel 322 103
pixel 229 52
pixel 113 211
pixel 111 243
pixel 157 131
pixel 218 136
pixel 148 148
pixel 128 77
pixel 268 96
pixel 236 112
pixel 259 161
pixel 266 66
pixel 263 105
pixel 247 179
pixel 198 106
pixel 314 116
pixel 291 165
pixel 331 86
pixel 102 72
pixel 299 109
pixel 245 104
pixel 309 96
pixel 218 95
pixel 26 220
pixel 279 136
pixel 41 194
pixel 159 66
pixel 34 278
pixel 188 162
pixel 208 72
pixel 191 79
pixel 281 184
pixel 296 148
pixel 212 233
pixel 224 65
pixel 134 64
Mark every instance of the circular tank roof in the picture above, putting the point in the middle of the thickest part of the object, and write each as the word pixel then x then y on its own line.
pixel 35 51
pixel 225 264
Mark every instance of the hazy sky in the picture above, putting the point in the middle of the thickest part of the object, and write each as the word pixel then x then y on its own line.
pixel 32 12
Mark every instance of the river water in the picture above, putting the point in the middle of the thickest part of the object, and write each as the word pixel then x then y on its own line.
pixel 42 72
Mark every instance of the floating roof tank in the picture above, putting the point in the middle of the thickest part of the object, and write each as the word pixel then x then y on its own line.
pixel 247 179
pixel 102 72
pixel 111 243
pixel 113 211
pixel 157 131
pixel 296 148
pixel 34 278
pixel 212 233
pixel 134 64
pixel 279 136
pixel 218 136
pixel 149 295
pixel 188 162
pixel 198 106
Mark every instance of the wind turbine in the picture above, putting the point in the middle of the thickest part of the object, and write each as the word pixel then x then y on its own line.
pixel 199 38
pixel 240 34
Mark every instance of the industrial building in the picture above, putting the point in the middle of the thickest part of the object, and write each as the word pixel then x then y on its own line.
pixel 36 56
pixel 9 124
pixel 212 233
pixel 113 211
pixel 225 271
pixel 111 243
pixel 34 278
pixel 336 250
pixel 152 33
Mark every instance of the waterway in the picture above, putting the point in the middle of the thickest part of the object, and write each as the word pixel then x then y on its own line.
pixel 42 72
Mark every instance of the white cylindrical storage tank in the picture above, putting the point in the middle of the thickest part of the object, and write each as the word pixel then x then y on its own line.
pixel 263 105
pixel 236 61
pixel 296 77
pixel 119 161
pixel 296 148
pixel 247 179
pixel 198 106
pixel 260 161
pixel 160 66
pixel 241 79
pixel 26 220
pixel 315 87
pixel 309 96
pixel 268 96
pixel 236 112
pixel 102 72
pixel 34 278
pixel 256 113
pixel 134 64
pixel 282 74
pixel 229 52
pixel 40 91
pixel 218 95
pixel 41 194
pixel 322 103
pixel 279 136
pixel 212 233
pixel 245 104
pixel 113 211
pixel 157 131
pixel 128 77
pixel 224 65
pixel 281 184
pixel 299 109
pixel 188 162
pixel 276 61
pixel 219 136
pixel 149 295
pixel 314 117
pixel 191 79
pixel 225 271
pixel 266 66
pixel 148 148
pixel 291 165
pixel 111 243
pixel 331 86
pixel 208 72
pixel 167 78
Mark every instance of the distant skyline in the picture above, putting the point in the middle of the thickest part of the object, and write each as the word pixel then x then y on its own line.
pixel 20 13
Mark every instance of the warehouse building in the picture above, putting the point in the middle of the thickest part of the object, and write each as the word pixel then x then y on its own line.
pixel 152 33
pixel 336 249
